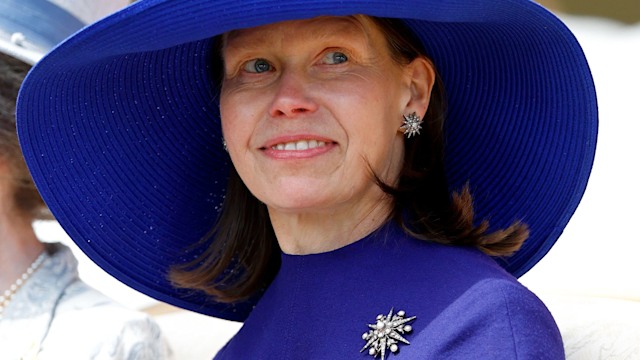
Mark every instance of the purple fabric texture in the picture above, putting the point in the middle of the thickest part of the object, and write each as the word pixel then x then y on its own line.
pixel 467 306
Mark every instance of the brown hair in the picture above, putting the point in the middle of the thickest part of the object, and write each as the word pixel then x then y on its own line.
pixel 423 190
pixel 25 196
pixel 242 255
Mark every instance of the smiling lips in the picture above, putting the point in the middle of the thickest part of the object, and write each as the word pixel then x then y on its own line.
pixel 299 145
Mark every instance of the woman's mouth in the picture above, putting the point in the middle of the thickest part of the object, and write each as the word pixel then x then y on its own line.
pixel 299 145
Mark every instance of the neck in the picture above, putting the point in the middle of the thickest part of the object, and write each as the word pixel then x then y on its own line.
pixel 19 248
pixel 316 232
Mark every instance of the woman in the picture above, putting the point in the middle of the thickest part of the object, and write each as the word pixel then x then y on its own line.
pixel 335 215
pixel 46 311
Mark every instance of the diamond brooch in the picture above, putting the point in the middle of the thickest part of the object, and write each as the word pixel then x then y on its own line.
pixel 411 125
pixel 387 333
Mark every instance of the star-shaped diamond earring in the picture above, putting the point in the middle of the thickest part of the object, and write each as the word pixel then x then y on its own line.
pixel 411 124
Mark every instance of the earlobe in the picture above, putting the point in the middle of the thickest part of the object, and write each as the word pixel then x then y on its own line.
pixel 422 76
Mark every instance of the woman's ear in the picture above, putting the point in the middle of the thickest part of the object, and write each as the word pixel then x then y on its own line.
pixel 422 75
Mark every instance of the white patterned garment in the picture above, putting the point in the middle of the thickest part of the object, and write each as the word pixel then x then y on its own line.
pixel 56 316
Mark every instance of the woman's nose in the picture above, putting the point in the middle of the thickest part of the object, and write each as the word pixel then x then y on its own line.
pixel 292 96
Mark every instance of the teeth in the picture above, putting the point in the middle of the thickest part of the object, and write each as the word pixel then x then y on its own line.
pixel 299 145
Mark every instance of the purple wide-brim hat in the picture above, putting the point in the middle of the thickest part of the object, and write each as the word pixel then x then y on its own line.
pixel 120 125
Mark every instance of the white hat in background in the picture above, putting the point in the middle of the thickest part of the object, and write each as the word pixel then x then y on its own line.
pixel 89 11
pixel 30 28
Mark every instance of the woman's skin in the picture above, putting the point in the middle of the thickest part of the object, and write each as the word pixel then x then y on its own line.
pixel 19 246
pixel 330 86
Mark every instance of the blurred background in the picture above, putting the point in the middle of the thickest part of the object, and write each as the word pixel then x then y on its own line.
pixel 590 278
pixel 627 11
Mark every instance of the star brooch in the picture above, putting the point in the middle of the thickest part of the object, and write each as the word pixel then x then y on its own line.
pixel 387 333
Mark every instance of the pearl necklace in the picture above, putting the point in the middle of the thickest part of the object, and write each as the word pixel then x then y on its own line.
pixel 8 294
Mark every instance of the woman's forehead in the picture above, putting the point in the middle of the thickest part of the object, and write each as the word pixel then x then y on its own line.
pixel 316 28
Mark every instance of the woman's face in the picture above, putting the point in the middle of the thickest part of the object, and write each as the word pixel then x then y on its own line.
pixel 309 108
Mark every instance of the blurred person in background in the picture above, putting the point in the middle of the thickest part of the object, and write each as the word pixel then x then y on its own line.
pixel 46 311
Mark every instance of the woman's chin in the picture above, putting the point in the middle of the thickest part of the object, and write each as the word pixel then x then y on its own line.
pixel 297 193
pixel 299 204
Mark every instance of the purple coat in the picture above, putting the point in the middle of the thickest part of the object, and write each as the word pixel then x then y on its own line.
pixel 466 306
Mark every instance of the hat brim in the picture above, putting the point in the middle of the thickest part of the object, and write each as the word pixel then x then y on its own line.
pixel 40 24
pixel 120 125
pixel 27 56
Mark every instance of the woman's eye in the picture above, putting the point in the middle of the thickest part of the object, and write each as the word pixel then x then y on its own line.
pixel 257 66
pixel 334 57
